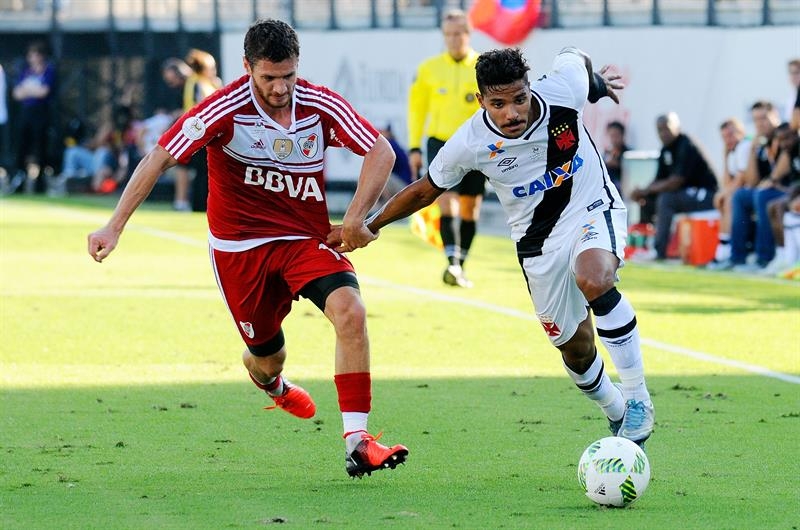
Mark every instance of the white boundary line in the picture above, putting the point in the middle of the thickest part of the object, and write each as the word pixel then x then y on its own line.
pixel 669 348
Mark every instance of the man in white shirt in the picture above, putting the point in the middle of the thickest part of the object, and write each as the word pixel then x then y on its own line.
pixel 566 217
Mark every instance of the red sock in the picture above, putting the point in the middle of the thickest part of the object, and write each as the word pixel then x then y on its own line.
pixel 269 387
pixel 355 391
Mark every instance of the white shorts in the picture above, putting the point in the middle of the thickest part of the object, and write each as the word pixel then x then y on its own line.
pixel 559 304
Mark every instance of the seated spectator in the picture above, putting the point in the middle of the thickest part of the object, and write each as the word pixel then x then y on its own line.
pixel 785 178
pixel 734 164
pixel 791 235
pixel 684 180
pixel 615 148
pixel 752 198
pixel 151 130
pixel 85 156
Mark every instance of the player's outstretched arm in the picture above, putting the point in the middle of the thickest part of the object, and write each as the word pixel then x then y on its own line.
pixel 375 173
pixel 101 242
pixel 413 197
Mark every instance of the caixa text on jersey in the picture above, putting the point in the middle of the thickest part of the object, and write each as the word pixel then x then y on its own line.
pixel 551 179
pixel 296 186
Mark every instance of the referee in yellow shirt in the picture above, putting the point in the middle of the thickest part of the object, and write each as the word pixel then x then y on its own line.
pixel 441 98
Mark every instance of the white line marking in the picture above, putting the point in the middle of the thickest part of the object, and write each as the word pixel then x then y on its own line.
pixel 678 350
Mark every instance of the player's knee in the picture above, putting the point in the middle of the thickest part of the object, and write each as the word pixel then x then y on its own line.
pixel 348 313
pixel 595 284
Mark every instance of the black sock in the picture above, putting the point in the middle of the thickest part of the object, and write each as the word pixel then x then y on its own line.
pixel 448 239
pixel 467 234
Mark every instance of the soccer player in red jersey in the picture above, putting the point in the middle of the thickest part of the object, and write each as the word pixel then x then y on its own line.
pixel 265 135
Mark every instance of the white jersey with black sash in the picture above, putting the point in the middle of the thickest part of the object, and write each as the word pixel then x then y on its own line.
pixel 548 178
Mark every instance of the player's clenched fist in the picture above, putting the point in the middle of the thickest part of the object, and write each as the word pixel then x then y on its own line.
pixel 102 242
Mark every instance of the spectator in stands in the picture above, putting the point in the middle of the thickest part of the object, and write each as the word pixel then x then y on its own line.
pixel 791 110
pixel 734 164
pixel 763 152
pixel 791 234
pixel 34 91
pixel 615 148
pixel 199 85
pixel 401 171
pixel 684 180
pixel 3 120
pixel 86 155
pixel 151 130
pixel 785 178
pixel 175 72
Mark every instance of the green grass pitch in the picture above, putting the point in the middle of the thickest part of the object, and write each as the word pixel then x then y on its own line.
pixel 125 405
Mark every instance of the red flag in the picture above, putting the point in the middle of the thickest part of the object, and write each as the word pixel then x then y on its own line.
pixel 506 21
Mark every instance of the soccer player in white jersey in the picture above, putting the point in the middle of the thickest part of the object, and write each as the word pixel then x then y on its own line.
pixel 265 135
pixel 566 217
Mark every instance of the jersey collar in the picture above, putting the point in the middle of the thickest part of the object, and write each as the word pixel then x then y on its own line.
pixel 292 128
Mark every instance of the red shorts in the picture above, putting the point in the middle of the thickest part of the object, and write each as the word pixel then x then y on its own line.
pixel 258 285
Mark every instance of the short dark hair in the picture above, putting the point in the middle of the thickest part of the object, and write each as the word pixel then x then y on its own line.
pixel 496 68
pixel 762 104
pixel 270 39
pixel 616 125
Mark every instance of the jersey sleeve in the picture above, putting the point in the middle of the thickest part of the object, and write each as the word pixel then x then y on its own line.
pixel 344 126
pixel 192 131
pixel 569 70
pixel 453 161
pixel 418 103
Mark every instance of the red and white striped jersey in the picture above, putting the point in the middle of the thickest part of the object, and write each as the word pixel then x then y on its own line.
pixel 266 182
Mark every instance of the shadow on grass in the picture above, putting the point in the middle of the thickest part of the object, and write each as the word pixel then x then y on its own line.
pixel 484 453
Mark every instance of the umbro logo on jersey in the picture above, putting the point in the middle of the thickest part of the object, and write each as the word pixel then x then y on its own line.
pixel 552 179
pixel 506 161
pixel 259 144
pixel 589 231
pixel 495 149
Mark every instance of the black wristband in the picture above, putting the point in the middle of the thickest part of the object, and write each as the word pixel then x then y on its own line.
pixel 597 88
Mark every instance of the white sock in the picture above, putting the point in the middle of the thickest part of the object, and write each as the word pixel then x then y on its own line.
pixel 355 423
pixel 791 237
pixel 596 385
pixel 723 248
pixel 620 335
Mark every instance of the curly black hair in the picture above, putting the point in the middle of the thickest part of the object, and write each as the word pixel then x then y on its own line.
pixel 496 68
pixel 270 39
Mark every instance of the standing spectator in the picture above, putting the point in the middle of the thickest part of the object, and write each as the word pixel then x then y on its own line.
pixel 401 171
pixel 174 72
pixel 763 152
pixel 3 122
pixel 266 135
pixel 568 221
pixel 441 98
pixel 791 110
pixel 734 164
pixel 34 91
pixel 615 148
pixel 199 85
pixel 684 180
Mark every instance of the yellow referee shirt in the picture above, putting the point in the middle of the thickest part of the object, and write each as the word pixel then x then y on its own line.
pixel 443 95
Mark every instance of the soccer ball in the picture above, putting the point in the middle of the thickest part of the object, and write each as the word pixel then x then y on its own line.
pixel 614 471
